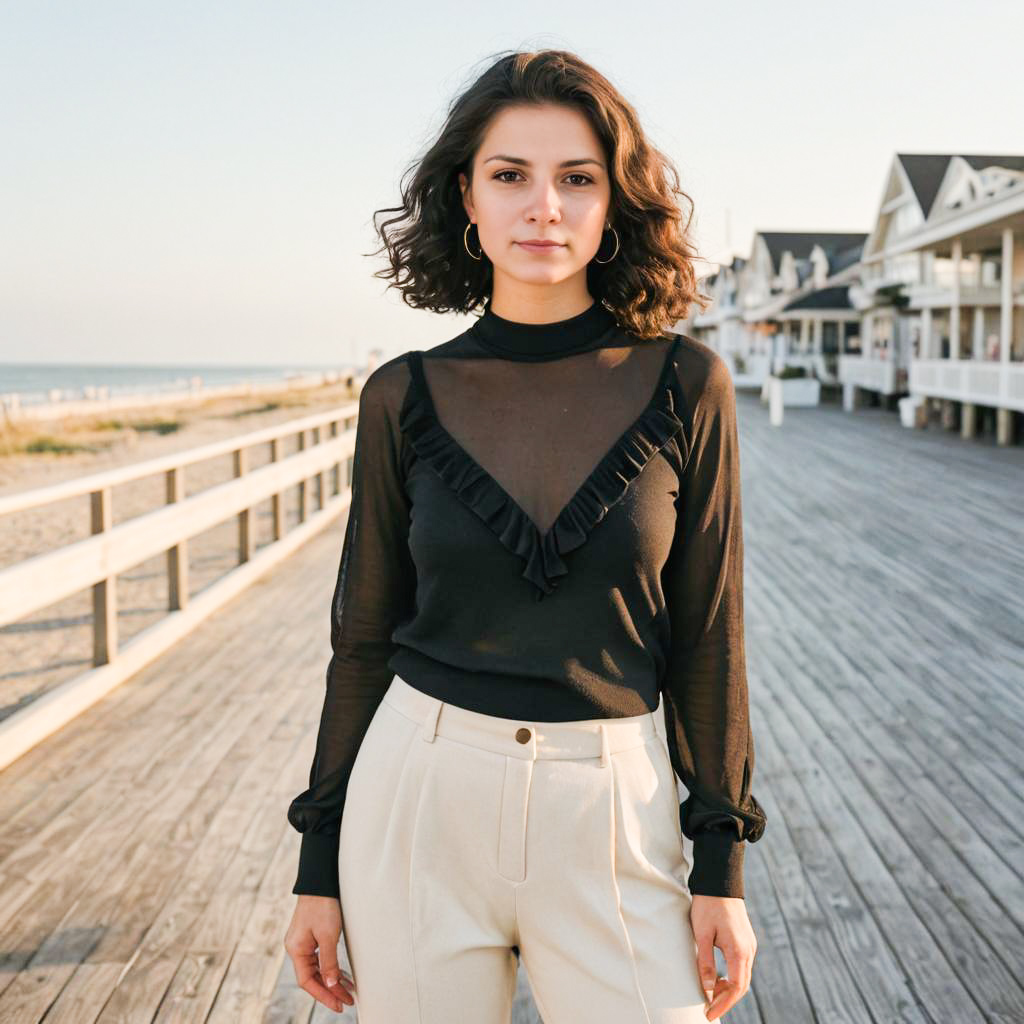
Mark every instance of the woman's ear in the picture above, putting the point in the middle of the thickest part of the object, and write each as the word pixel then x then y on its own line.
pixel 467 194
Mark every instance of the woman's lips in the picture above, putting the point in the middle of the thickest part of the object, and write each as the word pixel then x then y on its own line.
pixel 540 247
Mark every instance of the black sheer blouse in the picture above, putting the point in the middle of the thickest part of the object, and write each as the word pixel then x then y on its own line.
pixel 546 525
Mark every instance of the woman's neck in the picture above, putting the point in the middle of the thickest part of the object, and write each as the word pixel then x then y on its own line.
pixel 513 339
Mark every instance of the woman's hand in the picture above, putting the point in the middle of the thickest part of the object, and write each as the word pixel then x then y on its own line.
pixel 722 921
pixel 312 943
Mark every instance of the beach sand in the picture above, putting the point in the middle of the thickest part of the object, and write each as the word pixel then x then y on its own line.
pixel 55 644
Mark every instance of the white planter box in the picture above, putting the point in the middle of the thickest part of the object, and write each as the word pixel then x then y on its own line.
pixel 912 411
pixel 793 390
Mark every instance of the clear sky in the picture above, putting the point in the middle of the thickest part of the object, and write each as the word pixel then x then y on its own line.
pixel 194 181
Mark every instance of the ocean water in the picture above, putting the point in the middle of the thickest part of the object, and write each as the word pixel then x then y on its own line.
pixel 45 382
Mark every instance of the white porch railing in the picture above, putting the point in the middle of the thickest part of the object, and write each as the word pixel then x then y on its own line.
pixel 938 295
pixel 879 375
pixel 40 581
pixel 984 382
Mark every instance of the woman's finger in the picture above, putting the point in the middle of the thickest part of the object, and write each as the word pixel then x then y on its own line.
pixel 327 950
pixel 307 974
pixel 331 974
pixel 706 963
pixel 727 994
pixel 747 972
pixel 733 987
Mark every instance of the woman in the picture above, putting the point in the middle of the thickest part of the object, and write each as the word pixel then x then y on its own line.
pixel 538 619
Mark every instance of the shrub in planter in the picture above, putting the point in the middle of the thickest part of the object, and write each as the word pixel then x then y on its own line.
pixel 791 371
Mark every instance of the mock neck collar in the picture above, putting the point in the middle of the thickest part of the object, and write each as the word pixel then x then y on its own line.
pixel 514 340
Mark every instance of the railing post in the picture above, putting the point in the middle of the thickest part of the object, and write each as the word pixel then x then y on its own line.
pixel 177 556
pixel 245 547
pixel 336 468
pixel 104 592
pixel 276 505
pixel 303 488
pixel 321 497
pixel 350 461
pixel 99 570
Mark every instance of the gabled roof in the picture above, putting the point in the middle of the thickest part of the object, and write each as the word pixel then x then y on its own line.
pixel 843 258
pixel 833 297
pixel 925 171
pixel 736 264
pixel 800 243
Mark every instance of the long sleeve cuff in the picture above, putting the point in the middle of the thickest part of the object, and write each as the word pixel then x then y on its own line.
pixel 318 865
pixel 717 865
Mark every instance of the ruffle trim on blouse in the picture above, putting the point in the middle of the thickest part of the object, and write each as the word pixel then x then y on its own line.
pixel 606 485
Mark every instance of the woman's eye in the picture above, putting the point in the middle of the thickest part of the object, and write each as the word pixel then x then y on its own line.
pixel 583 179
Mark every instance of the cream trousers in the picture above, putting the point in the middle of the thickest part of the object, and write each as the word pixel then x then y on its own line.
pixel 465 835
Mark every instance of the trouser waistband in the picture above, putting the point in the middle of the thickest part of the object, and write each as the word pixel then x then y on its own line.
pixel 597 737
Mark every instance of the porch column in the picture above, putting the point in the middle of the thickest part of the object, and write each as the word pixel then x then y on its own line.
pixel 978 341
pixel 1004 415
pixel 954 307
pixel 926 333
pixel 1006 304
pixel 968 420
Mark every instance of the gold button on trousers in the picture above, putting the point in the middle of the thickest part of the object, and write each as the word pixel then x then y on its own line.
pixel 465 835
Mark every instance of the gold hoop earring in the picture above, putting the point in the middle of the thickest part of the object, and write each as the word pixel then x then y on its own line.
pixel 614 254
pixel 465 242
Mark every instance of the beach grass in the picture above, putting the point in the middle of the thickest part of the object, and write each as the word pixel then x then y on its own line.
pixel 93 434
pixel 81 436
pixel 55 446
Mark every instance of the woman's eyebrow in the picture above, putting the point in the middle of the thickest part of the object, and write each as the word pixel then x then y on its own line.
pixel 526 163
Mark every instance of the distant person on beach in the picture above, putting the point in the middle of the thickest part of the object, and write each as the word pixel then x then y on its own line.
pixel 537 622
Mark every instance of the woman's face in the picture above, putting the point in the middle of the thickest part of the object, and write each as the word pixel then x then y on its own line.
pixel 540 173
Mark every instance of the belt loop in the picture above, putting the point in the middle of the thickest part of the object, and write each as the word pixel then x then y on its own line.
pixel 604 745
pixel 430 722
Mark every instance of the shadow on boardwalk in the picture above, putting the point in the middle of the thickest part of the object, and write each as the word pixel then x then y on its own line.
pixel 146 863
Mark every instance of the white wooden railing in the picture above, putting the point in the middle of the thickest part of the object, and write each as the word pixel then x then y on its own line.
pixel 326 442
pixel 985 382
pixel 874 374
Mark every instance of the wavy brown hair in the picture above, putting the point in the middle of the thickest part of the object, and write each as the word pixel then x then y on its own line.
pixel 648 286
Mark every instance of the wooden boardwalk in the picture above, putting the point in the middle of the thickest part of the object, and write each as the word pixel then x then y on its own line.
pixel 146 863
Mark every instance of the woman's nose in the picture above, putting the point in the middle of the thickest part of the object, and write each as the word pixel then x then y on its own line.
pixel 545 204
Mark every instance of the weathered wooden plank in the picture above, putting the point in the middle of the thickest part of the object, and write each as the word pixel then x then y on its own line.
pixel 830 837
pixel 116 799
pixel 42 781
pixel 126 883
